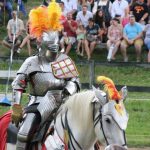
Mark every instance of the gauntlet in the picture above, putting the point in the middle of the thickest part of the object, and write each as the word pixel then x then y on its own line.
pixel 17 114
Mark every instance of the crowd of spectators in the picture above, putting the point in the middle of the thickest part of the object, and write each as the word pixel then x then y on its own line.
pixel 118 23
pixel 6 7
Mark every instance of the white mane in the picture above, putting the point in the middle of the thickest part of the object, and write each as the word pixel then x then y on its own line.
pixel 80 116
pixel 80 103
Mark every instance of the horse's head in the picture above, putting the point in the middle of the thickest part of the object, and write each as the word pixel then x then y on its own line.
pixel 110 117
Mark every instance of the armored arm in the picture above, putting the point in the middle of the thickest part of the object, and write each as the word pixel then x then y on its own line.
pixel 72 86
pixel 19 85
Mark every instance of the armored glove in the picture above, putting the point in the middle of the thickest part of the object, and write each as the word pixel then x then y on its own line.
pixel 16 114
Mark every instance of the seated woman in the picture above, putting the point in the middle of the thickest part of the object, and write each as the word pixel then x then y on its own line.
pixel 147 39
pixel 114 38
pixel 80 39
pixel 100 20
pixel 92 37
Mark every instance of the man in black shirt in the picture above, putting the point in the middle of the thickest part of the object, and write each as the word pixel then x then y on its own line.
pixel 140 11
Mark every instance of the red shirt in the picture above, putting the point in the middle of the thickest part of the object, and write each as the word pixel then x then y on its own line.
pixel 67 29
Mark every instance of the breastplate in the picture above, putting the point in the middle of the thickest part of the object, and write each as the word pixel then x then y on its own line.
pixel 42 82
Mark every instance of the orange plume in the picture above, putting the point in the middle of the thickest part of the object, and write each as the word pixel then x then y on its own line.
pixel 109 87
pixel 38 21
pixel 54 16
pixel 43 19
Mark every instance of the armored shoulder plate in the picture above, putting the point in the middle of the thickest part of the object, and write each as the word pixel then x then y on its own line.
pixel 29 66
pixel 64 67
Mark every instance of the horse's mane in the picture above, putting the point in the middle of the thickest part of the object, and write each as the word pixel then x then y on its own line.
pixel 80 105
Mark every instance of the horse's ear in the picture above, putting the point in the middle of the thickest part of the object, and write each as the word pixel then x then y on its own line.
pixel 94 88
pixel 100 96
pixel 124 92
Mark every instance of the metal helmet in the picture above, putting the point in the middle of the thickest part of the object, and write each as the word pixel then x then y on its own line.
pixel 49 45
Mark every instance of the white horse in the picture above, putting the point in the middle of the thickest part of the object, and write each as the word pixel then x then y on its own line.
pixel 86 117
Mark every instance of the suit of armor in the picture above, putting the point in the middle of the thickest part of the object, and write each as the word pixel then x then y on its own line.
pixel 45 89
pixel 49 74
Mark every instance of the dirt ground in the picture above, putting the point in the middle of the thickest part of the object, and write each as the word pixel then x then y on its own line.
pixel 143 148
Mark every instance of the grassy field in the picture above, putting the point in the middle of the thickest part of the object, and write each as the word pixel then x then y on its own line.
pixel 138 131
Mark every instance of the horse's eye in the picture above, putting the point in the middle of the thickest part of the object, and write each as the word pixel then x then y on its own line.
pixel 108 120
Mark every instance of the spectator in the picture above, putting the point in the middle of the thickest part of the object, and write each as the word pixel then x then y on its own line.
pixel 118 8
pixel 114 38
pixel 140 11
pixel 27 40
pixel 69 33
pixel 100 20
pixel 70 6
pixel 14 27
pixel 84 15
pixel 83 2
pixel 92 36
pixel 132 35
pixel 80 39
pixel 64 12
pixel 147 39
pixel 45 3
pixel 22 7
pixel 105 6
pixel 8 5
pixel 125 19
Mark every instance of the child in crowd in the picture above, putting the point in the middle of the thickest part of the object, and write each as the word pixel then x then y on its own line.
pixel 80 39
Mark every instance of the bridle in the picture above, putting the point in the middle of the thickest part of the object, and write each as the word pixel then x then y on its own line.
pixel 99 119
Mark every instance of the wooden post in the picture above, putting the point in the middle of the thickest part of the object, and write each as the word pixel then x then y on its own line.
pixel 91 73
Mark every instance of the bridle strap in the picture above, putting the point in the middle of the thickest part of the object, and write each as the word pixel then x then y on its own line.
pixel 124 136
pixel 99 118
pixel 101 122
pixel 70 134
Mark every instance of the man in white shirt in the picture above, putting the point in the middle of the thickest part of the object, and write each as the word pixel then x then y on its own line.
pixel 84 15
pixel 118 8
pixel 15 27
pixel 70 6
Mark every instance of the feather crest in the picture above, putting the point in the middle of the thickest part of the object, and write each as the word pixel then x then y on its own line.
pixel 54 16
pixel 38 21
pixel 43 19
pixel 109 87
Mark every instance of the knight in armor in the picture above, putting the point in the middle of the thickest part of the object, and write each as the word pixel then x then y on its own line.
pixel 50 75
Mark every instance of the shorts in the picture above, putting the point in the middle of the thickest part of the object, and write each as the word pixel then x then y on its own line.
pixel 68 40
pixel 138 42
pixel 20 38
pixel 147 43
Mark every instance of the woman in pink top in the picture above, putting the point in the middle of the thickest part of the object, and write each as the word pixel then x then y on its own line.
pixel 125 19
pixel 114 38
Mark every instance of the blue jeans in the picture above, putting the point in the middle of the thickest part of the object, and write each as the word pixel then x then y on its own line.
pixel 9 8
pixel 22 9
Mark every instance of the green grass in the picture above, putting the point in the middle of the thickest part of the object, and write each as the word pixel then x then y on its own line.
pixel 128 75
pixel 139 123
